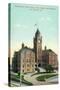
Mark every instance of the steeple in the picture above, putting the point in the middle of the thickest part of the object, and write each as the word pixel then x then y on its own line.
pixel 37 32
pixel 45 48
pixel 22 45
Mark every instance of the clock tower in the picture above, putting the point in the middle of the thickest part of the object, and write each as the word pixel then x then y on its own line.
pixel 38 48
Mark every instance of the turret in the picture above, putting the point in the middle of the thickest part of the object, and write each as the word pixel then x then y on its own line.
pixel 22 45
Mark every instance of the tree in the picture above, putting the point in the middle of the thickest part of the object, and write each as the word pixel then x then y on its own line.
pixel 49 68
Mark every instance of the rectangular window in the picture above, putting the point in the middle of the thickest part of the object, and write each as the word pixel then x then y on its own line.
pixel 32 65
pixel 27 60
pixel 23 70
pixel 28 65
pixel 27 69
pixel 23 66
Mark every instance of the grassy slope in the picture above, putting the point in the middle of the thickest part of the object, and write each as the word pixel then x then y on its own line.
pixel 43 77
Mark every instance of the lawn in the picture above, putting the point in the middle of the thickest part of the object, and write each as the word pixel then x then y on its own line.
pixel 44 77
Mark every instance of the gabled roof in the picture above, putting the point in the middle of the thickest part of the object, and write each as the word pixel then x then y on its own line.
pixel 48 51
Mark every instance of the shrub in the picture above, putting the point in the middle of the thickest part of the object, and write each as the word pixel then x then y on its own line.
pixel 49 68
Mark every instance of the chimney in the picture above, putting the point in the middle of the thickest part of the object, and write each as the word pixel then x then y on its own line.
pixel 22 45
pixel 45 48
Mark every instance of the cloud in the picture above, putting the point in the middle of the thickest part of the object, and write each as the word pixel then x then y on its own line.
pixel 17 26
pixel 46 18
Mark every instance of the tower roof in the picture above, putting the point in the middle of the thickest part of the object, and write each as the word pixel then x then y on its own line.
pixel 37 32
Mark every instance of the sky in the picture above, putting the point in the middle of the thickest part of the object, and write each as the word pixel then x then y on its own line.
pixel 23 28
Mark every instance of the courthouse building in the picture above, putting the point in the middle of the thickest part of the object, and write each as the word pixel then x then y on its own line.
pixel 26 59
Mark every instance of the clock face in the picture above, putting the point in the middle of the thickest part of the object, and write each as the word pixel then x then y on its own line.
pixel 38 41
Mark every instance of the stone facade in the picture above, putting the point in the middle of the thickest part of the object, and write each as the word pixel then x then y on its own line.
pixel 25 61
pixel 27 58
